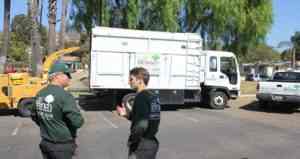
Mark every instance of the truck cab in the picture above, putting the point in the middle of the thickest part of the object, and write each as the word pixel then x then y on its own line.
pixel 222 77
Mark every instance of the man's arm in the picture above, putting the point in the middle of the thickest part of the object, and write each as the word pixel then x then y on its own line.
pixel 140 118
pixel 138 130
pixel 72 114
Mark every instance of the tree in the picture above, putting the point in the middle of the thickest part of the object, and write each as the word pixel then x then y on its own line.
pixel 18 49
pixel 286 55
pixel 234 24
pixel 52 23
pixel 160 15
pixel 64 10
pixel 131 14
pixel 21 25
pixel 135 14
pixel 3 52
pixel 86 14
pixel 262 53
pixel 296 43
pixel 36 56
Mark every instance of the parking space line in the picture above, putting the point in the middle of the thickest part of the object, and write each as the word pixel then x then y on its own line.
pixel 188 118
pixel 16 130
pixel 108 121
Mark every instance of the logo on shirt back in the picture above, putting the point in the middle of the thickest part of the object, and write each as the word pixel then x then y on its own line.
pixel 49 98
pixel 155 109
pixel 44 106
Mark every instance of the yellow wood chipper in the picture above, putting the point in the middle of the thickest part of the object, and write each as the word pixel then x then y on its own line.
pixel 16 88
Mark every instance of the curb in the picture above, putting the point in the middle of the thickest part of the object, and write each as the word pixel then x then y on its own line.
pixel 248 95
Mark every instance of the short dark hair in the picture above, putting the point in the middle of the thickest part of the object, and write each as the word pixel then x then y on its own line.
pixel 140 73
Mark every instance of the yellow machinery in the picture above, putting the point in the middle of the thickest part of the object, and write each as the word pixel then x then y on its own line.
pixel 16 87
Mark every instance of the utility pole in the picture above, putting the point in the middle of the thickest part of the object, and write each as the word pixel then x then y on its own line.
pixel 294 57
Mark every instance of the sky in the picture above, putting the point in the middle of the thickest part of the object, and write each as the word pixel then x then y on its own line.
pixel 286 18
pixel 20 7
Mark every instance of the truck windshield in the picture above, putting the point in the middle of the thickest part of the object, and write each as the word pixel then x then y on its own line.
pixel 228 67
pixel 287 76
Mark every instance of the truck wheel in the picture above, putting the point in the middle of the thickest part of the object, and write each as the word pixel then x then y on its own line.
pixel 23 107
pixel 127 101
pixel 218 100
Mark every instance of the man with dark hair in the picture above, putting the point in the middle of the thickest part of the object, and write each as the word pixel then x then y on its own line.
pixel 56 113
pixel 145 117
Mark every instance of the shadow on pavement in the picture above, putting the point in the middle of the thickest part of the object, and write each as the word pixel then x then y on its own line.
pixel 105 103
pixel 275 108
pixel 185 106
pixel 94 103
pixel 8 112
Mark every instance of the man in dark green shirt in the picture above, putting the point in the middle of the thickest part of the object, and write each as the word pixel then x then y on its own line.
pixel 145 117
pixel 56 113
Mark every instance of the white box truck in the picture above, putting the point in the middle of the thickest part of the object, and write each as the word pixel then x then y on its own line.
pixel 180 70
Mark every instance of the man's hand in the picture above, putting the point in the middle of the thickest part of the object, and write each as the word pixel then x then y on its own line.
pixel 122 111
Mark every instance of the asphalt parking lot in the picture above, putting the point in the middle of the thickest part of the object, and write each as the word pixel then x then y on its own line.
pixel 241 131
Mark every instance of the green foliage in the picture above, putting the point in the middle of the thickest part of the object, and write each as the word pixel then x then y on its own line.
pixel 262 53
pixel 234 25
pixel 132 13
pixel 296 41
pixel 135 14
pixel 286 55
pixel 86 14
pixel 22 25
pixel 17 49
pixel 169 12
pixel 237 25
pixel 20 39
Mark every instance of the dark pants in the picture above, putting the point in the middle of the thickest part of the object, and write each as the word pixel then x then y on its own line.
pixel 146 149
pixel 57 150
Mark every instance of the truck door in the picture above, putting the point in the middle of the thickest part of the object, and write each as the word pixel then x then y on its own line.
pixel 228 70
pixel 222 72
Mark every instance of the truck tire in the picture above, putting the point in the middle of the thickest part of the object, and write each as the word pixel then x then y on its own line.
pixel 127 102
pixel 23 107
pixel 218 100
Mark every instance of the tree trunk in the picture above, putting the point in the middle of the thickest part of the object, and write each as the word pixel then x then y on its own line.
pixel 3 52
pixel 36 56
pixel 64 10
pixel 99 12
pixel 52 24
